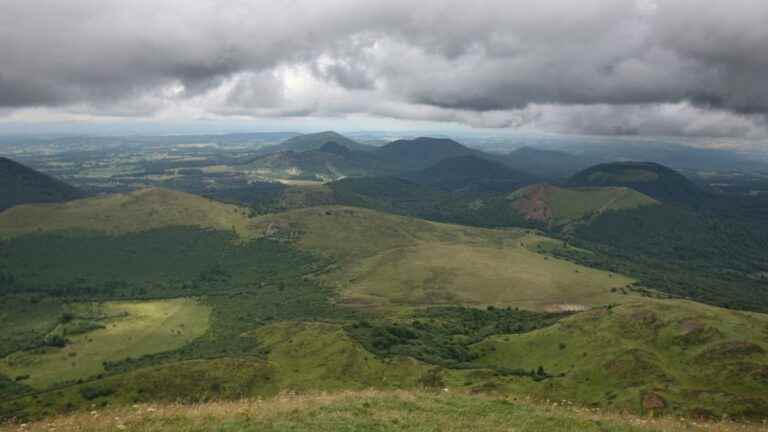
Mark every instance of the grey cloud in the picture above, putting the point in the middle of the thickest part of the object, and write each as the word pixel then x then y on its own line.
pixel 488 63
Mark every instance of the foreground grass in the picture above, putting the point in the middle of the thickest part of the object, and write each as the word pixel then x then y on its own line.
pixel 368 411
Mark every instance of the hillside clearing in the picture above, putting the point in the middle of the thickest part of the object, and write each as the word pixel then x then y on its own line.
pixel 129 329
pixel 444 273
pixel 388 260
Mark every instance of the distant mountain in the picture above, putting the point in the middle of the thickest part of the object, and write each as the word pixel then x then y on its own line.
pixel 314 141
pixel 550 164
pixel 20 184
pixel 472 172
pixel 650 178
pixel 420 153
pixel 556 206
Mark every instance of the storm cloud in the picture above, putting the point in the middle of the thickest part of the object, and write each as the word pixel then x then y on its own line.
pixel 689 67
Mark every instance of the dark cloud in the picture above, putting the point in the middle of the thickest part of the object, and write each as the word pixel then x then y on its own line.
pixel 592 65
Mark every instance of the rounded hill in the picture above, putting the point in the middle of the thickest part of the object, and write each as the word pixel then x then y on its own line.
pixel 649 178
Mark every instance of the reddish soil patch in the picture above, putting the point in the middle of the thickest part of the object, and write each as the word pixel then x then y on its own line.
pixel 533 203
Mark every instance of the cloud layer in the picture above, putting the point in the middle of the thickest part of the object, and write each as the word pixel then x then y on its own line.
pixel 687 67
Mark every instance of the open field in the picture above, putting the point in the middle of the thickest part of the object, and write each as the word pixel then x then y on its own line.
pixel 445 273
pixel 130 329
pixel 369 411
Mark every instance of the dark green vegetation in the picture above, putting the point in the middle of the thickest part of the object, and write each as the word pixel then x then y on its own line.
pixel 654 180
pixel 26 322
pixel 471 173
pixel 681 253
pixel 157 263
pixel 420 153
pixel 444 335
pixel 21 185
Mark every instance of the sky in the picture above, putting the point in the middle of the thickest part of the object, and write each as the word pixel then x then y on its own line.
pixel 687 68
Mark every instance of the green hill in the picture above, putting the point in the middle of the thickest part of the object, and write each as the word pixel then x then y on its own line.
pixel 23 185
pixel 390 261
pixel 650 178
pixel 556 206
pixel 139 211
pixel 657 355
pixel 314 141
pixel 421 153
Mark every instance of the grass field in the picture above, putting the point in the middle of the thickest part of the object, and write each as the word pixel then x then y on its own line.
pixel 142 210
pixel 387 260
pixel 370 410
pixel 131 329
pixel 445 273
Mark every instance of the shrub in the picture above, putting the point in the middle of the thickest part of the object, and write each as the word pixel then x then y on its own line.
pixel 91 393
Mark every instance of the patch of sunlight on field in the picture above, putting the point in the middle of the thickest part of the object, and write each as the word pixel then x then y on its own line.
pixel 450 273
pixel 134 329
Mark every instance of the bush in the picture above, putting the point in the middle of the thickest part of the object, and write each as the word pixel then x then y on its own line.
pixel 91 393
pixel 57 341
